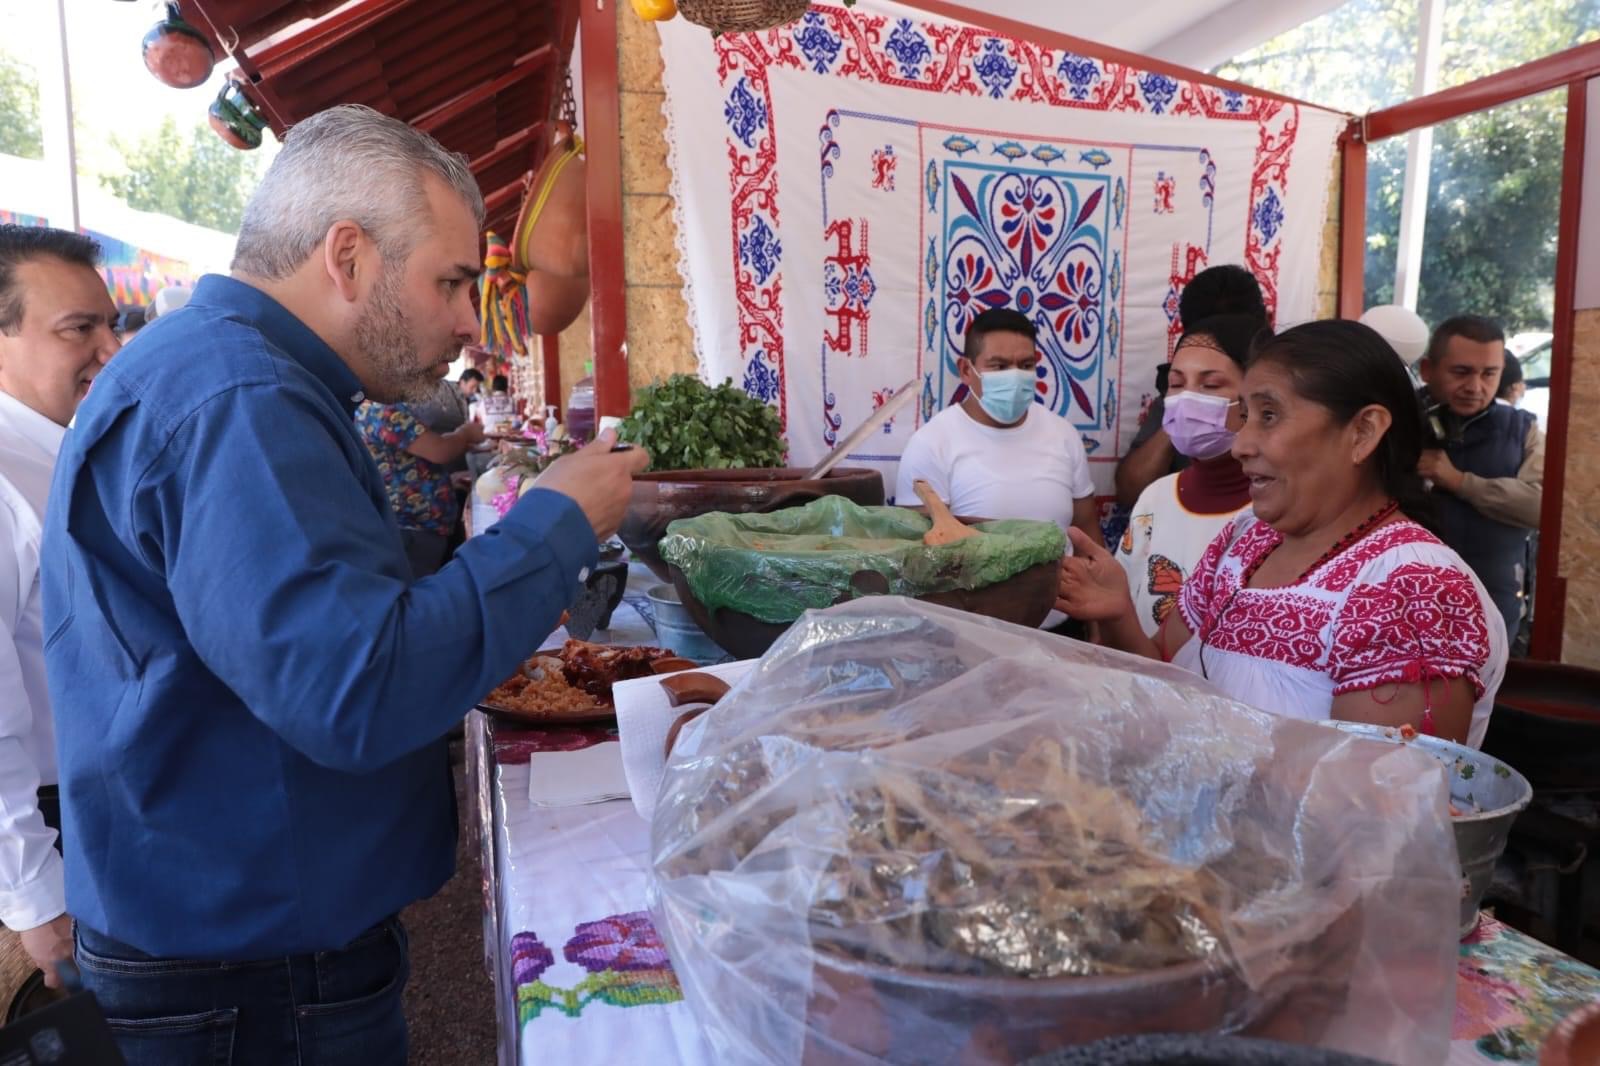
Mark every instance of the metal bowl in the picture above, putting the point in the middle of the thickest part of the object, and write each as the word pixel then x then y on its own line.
pixel 1489 795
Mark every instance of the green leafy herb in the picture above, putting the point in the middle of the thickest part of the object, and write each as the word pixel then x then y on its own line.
pixel 686 424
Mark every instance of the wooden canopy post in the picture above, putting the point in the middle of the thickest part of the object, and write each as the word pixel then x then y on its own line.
pixel 1352 221
pixel 602 129
pixel 1549 622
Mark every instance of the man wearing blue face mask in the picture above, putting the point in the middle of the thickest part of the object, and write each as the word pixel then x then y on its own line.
pixel 997 454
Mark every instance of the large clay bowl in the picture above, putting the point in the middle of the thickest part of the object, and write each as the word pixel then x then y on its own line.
pixel 1024 599
pixel 664 496
pixel 904 1015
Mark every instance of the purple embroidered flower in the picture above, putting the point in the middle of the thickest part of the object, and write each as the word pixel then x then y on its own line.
pixel 529 958
pixel 622 942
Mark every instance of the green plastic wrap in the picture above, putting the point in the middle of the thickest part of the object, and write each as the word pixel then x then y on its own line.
pixel 774 567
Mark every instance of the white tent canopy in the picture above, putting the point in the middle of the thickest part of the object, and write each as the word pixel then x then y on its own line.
pixel 1196 33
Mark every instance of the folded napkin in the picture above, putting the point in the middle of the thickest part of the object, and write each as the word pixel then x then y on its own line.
pixel 643 718
pixel 572 778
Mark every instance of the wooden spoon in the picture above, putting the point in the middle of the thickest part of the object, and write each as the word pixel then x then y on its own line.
pixel 947 528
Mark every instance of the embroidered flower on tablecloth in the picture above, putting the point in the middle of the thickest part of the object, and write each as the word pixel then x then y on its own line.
pixel 530 958
pixel 622 942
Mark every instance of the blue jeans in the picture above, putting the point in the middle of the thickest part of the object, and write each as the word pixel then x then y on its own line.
pixel 331 1008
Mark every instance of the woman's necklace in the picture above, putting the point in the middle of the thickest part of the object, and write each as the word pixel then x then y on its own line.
pixel 1343 544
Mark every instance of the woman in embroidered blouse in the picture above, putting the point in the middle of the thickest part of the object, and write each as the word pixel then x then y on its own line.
pixel 1329 600
pixel 1178 515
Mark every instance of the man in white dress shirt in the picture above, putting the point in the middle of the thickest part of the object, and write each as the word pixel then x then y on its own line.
pixel 57 329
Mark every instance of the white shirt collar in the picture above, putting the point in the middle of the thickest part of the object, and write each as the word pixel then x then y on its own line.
pixel 20 422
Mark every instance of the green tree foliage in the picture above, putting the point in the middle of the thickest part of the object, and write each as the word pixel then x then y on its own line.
pixel 191 175
pixel 1489 243
pixel 20 131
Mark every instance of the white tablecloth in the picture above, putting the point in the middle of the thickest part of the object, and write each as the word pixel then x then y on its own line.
pixel 560 869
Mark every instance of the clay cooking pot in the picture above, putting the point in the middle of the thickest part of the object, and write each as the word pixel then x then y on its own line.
pixel 664 496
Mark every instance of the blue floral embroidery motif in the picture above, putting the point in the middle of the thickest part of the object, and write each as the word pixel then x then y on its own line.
pixel 820 47
pixel 909 49
pixel 1080 72
pixel 1232 100
pixel 746 115
pixel 759 249
pixel 1268 216
pixel 993 68
pixel 760 380
pixel 1158 91
pixel 851 287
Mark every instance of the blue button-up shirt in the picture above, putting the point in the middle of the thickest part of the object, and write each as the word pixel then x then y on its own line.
pixel 250 693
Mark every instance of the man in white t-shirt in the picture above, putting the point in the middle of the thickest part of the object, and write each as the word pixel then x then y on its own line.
pixel 997 454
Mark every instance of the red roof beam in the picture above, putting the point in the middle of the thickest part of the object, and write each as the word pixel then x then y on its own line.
pixel 1542 75
pixel 526 67
pixel 327 33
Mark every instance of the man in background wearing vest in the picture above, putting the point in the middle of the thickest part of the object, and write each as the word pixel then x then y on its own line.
pixel 1487 465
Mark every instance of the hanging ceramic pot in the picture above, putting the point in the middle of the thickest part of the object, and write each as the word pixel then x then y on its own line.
pixel 555 301
pixel 552 231
pixel 176 53
pixel 235 117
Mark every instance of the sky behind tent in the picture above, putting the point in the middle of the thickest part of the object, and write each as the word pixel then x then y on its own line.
pixel 112 91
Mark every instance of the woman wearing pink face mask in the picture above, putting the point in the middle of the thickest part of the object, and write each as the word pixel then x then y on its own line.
pixel 1180 514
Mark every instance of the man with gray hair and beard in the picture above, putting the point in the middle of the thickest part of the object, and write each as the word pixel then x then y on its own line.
pixel 251 691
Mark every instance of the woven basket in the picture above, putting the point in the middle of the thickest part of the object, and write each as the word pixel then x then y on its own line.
pixel 15 968
pixel 736 16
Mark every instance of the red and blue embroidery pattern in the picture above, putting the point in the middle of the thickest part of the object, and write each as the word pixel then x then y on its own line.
pixel 1419 620
pixel 946 58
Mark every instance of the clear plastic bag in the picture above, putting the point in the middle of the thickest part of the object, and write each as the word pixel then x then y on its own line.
pixel 914 835
pixel 777 565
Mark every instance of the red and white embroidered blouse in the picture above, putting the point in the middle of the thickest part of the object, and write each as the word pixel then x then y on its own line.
pixel 1396 606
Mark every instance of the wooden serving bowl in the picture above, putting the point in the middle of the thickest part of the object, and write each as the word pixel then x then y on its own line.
pixel 664 496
